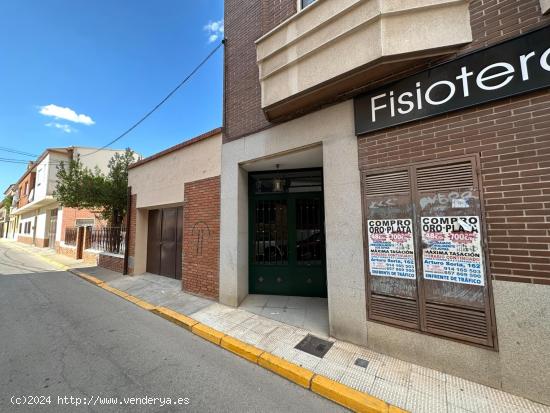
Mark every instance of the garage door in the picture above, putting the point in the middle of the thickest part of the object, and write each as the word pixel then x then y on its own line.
pixel 164 242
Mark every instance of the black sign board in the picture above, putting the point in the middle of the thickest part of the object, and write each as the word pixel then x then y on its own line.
pixel 510 68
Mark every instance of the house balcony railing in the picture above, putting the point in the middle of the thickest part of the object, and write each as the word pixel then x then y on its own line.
pixel 333 47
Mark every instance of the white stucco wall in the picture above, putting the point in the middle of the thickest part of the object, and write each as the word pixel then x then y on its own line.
pixel 28 217
pixel 59 224
pixel 161 181
pixel 91 159
pixel 41 224
pixel 333 128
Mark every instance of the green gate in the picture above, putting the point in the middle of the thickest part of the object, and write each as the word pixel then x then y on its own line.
pixel 287 243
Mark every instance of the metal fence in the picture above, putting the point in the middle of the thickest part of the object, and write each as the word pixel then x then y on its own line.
pixel 70 236
pixel 106 239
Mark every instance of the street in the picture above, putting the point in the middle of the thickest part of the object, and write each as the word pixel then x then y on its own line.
pixel 63 337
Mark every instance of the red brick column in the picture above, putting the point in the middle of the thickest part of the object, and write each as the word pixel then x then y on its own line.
pixel 201 237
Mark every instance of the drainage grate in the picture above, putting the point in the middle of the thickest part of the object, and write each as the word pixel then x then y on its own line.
pixel 362 363
pixel 314 345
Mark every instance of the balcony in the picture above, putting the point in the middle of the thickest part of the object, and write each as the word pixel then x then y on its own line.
pixel 335 46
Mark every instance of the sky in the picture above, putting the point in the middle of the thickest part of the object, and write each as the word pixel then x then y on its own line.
pixel 80 72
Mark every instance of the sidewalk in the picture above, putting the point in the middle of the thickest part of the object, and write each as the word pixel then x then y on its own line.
pixel 406 385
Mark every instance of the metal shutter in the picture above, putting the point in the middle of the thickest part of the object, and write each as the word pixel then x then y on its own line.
pixel 391 299
pixel 453 309
pixel 442 191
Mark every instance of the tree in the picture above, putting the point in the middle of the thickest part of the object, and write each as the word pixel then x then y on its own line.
pixel 81 188
pixel 7 202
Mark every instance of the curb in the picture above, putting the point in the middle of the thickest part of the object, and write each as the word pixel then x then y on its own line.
pixel 323 386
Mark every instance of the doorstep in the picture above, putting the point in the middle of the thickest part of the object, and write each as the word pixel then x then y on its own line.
pixel 308 313
pixel 399 383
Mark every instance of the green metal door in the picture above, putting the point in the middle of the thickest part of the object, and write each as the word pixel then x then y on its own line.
pixel 287 248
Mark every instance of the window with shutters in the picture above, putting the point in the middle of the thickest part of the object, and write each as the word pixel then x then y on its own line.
pixel 425 250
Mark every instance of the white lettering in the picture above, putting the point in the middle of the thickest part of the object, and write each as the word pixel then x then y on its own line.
pixel 508 70
pixel 523 62
pixel 375 108
pixel 402 101
pixel 418 96
pixel 452 89
pixel 464 74
pixel 544 60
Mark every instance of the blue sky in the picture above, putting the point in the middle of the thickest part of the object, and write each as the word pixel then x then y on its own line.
pixel 75 72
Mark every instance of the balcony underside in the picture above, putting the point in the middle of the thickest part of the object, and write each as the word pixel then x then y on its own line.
pixel 335 47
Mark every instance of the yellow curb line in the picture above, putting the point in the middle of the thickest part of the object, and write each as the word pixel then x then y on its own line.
pixel 241 349
pixel 286 369
pixel 208 333
pixel 175 317
pixel 337 392
pixel 87 277
pixel 46 259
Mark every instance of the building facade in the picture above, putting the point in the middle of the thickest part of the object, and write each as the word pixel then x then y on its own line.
pixel 38 217
pixel 175 214
pixel 393 156
pixel 10 226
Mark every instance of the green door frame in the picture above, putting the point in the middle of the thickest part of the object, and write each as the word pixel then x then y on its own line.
pixel 291 278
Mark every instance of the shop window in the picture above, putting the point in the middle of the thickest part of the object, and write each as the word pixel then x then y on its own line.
pixel 425 249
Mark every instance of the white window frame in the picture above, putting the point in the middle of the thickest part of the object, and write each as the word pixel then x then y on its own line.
pixel 299 6
pixel 84 224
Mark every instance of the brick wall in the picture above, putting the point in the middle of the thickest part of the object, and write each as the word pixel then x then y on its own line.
pixel 41 242
pixel 492 21
pixel 111 262
pixel 201 237
pixel 65 250
pixel 24 240
pixel 27 182
pixel 512 137
pixel 70 215
pixel 496 20
pixel 132 236
pixel 245 22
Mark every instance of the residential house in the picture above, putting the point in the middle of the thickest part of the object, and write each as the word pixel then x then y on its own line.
pixel 175 214
pixel 41 220
pixel 4 220
pixel 392 156
pixel 10 227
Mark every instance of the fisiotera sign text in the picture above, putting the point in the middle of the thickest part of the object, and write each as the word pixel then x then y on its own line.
pixel 516 66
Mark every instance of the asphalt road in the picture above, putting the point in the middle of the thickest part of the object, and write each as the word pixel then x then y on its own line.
pixel 61 336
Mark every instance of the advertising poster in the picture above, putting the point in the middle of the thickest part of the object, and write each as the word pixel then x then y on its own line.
pixel 391 248
pixel 452 249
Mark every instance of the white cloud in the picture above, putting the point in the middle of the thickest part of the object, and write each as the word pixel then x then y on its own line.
pixel 59 112
pixel 214 30
pixel 63 126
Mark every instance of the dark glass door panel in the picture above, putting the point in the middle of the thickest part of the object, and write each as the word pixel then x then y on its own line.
pixel 287 249
pixel 309 236
pixel 271 232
